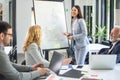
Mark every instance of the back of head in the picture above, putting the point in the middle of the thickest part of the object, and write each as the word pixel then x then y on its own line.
pixel 33 35
pixel 4 26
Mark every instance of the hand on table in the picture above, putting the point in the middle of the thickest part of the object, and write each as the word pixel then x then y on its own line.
pixel 34 67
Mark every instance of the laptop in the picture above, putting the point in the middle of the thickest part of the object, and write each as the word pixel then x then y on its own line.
pixel 56 62
pixel 102 61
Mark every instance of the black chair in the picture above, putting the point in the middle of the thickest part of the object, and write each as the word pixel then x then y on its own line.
pixel 103 50
pixel 90 38
pixel 71 54
pixel 87 58
pixel 13 54
pixel 23 62
pixel 106 42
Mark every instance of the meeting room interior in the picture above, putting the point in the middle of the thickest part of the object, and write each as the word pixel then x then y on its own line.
pixel 85 32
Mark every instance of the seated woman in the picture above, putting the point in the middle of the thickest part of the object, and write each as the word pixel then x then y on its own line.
pixel 32 50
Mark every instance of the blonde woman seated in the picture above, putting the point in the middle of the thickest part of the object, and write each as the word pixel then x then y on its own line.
pixel 31 48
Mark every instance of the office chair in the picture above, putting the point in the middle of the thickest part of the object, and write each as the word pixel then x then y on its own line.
pixel 13 54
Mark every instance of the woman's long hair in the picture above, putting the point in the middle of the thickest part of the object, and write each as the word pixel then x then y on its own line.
pixel 79 11
pixel 33 35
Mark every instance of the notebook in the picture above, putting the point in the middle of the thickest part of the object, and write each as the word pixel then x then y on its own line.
pixel 73 73
pixel 102 61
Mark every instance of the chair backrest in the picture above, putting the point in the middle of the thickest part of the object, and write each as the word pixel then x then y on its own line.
pixel 23 62
pixel 90 38
pixel 13 54
pixel 103 50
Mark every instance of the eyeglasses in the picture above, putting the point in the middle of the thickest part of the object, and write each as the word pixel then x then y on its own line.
pixel 8 34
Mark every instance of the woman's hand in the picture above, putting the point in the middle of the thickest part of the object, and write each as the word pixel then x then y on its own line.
pixel 67 61
pixel 70 37
pixel 66 34
pixel 43 71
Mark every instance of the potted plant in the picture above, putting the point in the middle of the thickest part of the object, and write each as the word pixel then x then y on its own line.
pixel 101 33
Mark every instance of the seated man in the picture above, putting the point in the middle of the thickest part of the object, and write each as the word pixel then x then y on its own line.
pixel 115 40
pixel 11 71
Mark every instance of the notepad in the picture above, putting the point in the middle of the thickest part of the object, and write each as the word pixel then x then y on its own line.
pixel 72 73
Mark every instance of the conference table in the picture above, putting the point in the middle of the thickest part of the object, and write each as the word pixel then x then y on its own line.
pixel 98 74
pixel 105 74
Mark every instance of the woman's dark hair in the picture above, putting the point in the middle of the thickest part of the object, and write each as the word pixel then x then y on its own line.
pixel 79 11
pixel 4 26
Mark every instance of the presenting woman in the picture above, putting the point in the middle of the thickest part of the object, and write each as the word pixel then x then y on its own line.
pixel 78 35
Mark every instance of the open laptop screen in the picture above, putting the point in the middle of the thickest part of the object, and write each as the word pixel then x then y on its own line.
pixel 56 62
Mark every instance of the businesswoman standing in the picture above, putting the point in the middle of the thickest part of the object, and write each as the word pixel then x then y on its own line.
pixel 79 35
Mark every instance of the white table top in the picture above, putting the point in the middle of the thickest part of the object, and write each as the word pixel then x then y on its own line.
pixel 105 74
pixel 102 74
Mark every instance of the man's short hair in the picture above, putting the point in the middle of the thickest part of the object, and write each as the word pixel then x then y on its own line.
pixel 4 26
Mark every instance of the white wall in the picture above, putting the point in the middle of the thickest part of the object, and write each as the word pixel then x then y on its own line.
pixel 1 1
pixel 23 19
pixel 5 8
pixel 67 4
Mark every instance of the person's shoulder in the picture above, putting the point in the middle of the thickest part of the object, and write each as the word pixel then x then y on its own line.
pixel 118 43
pixel 117 46
pixel 33 45
pixel 2 54
pixel 81 20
